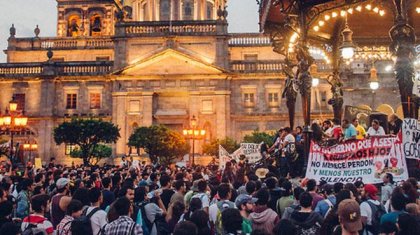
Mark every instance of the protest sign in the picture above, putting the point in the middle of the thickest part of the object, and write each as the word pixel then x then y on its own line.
pixel 38 163
pixel 223 157
pixel 364 160
pixel 251 151
pixel 411 136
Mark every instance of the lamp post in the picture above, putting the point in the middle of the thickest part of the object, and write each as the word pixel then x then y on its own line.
pixel 13 120
pixel 29 146
pixel 193 132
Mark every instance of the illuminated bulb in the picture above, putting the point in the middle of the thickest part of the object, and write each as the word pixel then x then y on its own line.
pixel 418 10
pixel 350 11
pixel 381 12
pixel 348 62
pixel 321 23
pixel 376 9
pixel 327 17
pixel 388 68
pixel 327 61
pixel 374 85
pixel 334 14
pixel 315 82
pixel 343 13
pixel 369 7
pixel 316 28
pixel 359 8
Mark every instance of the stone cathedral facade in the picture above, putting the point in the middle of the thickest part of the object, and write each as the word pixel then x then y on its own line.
pixel 159 62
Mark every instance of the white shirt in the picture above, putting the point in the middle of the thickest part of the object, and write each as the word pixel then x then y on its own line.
pixel 289 138
pixel 373 132
pixel 366 211
pixel 204 199
pixel 329 132
pixel 98 220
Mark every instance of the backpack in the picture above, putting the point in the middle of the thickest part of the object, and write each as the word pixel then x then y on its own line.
pixel 218 225
pixel 308 231
pixel 377 212
pixel 82 225
pixel 32 229
pixel 162 227
pixel 330 206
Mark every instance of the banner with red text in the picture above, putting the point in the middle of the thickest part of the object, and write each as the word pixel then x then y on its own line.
pixel 366 160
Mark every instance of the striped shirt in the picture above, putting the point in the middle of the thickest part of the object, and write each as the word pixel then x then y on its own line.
pixel 40 222
pixel 63 228
pixel 124 225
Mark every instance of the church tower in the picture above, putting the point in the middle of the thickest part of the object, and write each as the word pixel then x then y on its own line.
pixel 84 18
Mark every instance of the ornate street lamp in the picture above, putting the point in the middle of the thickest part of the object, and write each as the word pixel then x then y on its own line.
pixel 373 80
pixel 29 146
pixel 193 133
pixel 13 121
pixel 347 47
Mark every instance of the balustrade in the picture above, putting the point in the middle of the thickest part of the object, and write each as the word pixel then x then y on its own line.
pixel 165 27
pixel 262 66
pixel 251 39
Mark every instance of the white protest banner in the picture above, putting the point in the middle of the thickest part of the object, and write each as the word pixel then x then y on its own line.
pixel 410 136
pixel 364 160
pixel 251 151
pixel 223 157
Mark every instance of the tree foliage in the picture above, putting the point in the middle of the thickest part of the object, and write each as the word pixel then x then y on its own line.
pixel 162 144
pixel 258 137
pixel 86 134
pixel 227 143
pixel 99 151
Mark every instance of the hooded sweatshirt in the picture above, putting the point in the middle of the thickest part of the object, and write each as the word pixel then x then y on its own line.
pixel 306 220
pixel 264 218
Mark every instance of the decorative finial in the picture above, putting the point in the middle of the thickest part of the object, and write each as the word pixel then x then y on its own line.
pixel 225 13
pixel 12 31
pixel 220 12
pixel 37 31
pixel 50 53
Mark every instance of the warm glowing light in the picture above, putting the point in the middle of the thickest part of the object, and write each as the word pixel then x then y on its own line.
pixel 381 12
pixel 347 52
pixel 418 9
pixel 315 82
pixel 7 120
pixel 26 146
pixel 34 146
pixel 369 7
pixel 12 105
pixel 17 121
pixel 374 85
pixel 293 38
pixel 343 13
pixel 190 132
pixel 359 8
pixel 316 28
pixel 185 132
pixel 334 14
pixel 376 9
pixel 350 11
pixel 202 132
pixel 196 132
pixel 388 68
pixel 327 61
pixel 1 121
pixel 321 23
pixel 327 17
pixel 24 121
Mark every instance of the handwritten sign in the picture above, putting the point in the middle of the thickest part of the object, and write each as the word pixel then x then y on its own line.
pixel 411 137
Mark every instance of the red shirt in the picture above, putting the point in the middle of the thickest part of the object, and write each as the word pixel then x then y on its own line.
pixel 337 132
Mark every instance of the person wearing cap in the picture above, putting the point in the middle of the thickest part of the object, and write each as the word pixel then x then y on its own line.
pixel 349 217
pixel 245 205
pixel 328 203
pixel 368 206
pixel 60 201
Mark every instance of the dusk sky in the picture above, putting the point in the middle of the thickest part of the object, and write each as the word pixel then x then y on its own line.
pixel 26 14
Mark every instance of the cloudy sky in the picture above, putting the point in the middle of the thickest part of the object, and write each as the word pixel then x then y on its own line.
pixel 26 14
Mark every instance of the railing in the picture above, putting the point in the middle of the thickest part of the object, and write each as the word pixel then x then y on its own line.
pixel 62 43
pixel 21 69
pixel 261 66
pixel 249 39
pixel 156 28
pixel 89 68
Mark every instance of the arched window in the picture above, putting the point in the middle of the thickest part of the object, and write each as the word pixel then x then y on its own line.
pixel 209 10
pixel 73 26
pixel 95 25
pixel 165 10
pixel 188 10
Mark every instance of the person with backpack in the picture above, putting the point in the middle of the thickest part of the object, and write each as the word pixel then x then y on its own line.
pixel 98 216
pixel 349 217
pixel 307 222
pixel 74 210
pixel 124 225
pixel 224 193
pixel 245 205
pixel 371 211
pixel 232 221
pixel 324 206
pixel 36 223
pixel 398 203
pixel 286 199
pixel 202 195
pixel 296 205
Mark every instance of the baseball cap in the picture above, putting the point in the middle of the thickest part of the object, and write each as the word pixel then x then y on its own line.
pixel 349 215
pixel 371 191
pixel 62 182
pixel 244 198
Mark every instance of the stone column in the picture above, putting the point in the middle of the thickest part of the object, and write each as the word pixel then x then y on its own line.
pixel 222 113
pixel 119 117
pixel 147 111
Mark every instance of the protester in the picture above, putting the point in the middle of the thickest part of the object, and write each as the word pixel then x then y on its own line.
pixel 96 215
pixel 371 211
pixel 361 132
pixel 398 203
pixel 395 124
pixel 175 211
pixel 40 207
pixel 328 203
pixel 263 217
pixel 349 217
pixel 232 221
pixel 107 194
pixel 23 203
pixel 312 188
pixel 74 210
pixel 60 201
pixel 350 132
pixel 387 187
pixel 376 129
pixel 245 205
pixel 180 188
pixel 286 199
pixel 306 220
pixel 124 224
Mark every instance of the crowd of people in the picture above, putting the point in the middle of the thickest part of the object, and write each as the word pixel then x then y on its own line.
pixel 157 200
